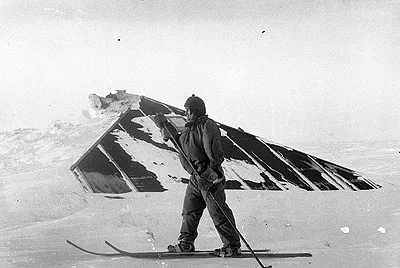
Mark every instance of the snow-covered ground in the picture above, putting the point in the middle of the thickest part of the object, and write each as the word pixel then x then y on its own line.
pixel 42 205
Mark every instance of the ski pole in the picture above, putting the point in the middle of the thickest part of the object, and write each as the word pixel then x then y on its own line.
pixel 215 200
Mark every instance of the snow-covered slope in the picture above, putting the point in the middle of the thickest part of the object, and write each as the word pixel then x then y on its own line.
pixel 42 204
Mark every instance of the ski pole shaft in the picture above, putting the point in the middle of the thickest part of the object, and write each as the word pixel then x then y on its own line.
pixel 177 145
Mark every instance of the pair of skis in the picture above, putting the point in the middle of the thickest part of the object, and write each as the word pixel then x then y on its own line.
pixel 262 253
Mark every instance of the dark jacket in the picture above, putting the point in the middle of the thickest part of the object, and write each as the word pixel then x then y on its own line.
pixel 201 142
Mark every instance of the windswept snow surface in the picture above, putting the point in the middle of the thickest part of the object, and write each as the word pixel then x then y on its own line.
pixel 42 205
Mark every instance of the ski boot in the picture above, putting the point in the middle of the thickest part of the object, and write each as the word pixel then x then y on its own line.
pixel 181 247
pixel 228 251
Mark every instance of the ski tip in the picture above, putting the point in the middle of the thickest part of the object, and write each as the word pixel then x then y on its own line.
pixel 110 245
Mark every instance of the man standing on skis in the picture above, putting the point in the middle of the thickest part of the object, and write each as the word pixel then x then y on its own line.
pixel 200 142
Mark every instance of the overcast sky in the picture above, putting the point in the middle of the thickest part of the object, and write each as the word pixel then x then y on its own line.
pixel 289 71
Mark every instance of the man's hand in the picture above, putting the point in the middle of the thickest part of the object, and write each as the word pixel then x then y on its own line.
pixel 168 131
pixel 209 174
pixel 165 134
pixel 209 180
pixel 160 120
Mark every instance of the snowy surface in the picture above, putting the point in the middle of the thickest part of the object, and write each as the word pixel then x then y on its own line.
pixel 42 205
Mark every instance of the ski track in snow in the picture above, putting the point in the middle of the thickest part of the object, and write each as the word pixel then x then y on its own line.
pixel 42 205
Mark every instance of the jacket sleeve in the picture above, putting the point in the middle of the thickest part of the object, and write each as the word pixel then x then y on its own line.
pixel 171 132
pixel 175 136
pixel 185 164
pixel 212 145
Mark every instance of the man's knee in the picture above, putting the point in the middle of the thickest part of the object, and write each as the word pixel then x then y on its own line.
pixel 192 214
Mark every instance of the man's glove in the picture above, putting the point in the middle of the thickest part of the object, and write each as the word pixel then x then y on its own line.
pixel 209 175
pixel 160 120
pixel 200 166
pixel 209 180
pixel 165 127
pixel 165 134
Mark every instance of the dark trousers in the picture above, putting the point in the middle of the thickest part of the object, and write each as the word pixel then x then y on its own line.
pixel 195 202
